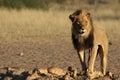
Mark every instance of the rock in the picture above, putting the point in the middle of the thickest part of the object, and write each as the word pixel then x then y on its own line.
pixel 115 77
pixel 56 71
pixel 43 71
pixel 73 71
pixel 21 54
pixel 16 71
pixel 33 76
pixel 106 78
pixel 68 77
pixel 7 78
pixel 3 70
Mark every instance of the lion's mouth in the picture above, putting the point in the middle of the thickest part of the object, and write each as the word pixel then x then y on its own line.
pixel 81 31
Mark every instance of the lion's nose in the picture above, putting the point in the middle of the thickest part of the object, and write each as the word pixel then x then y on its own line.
pixel 82 29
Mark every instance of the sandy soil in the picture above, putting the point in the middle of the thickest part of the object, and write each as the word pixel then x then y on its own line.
pixel 30 56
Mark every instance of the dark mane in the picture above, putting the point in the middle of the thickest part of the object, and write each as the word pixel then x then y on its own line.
pixel 75 42
pixel 88 42
pixel 77 12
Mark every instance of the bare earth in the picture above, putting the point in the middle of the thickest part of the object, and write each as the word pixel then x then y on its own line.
pixel 30 56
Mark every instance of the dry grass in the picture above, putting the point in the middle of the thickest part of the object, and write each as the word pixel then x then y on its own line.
pixel 32 25
pixel 46 27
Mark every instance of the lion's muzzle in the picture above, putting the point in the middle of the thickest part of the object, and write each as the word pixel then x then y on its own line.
pixel 81 31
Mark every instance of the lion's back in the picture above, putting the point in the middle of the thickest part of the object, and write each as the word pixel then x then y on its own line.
pixel 100 36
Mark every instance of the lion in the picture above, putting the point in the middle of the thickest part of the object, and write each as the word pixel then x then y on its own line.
pixel 86 36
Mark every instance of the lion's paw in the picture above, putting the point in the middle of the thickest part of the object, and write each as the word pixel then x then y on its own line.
pixel 95 74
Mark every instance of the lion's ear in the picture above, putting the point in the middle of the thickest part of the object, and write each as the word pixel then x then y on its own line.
pixel 72 17
pixel 88 15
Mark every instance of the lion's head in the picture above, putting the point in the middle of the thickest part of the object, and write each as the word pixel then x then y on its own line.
pixel 81 22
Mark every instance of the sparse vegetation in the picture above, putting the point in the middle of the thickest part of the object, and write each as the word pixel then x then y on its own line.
pixel 47 26
pixel 18 4
pixel 46 4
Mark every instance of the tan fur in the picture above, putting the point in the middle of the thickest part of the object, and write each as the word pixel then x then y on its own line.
pixel 87 36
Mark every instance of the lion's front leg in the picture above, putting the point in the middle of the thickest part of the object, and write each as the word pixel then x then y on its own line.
pixel 81 55
pixel 93 53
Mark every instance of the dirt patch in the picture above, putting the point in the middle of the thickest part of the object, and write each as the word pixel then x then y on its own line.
pixel 31 57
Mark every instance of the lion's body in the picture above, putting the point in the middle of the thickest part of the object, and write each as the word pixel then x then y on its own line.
pixel 87 36
pixel 97 37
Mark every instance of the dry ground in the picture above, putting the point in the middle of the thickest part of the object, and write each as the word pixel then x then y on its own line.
pixel 40 39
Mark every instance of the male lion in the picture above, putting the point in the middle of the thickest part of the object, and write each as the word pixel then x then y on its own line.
pixel 87 36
